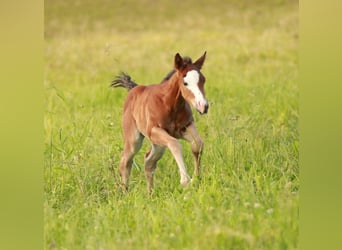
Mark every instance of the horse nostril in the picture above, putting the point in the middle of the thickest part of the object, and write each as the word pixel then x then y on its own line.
pixel 206 107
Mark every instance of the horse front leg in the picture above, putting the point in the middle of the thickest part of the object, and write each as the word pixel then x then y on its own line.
pixel 160 137
pixel 191 135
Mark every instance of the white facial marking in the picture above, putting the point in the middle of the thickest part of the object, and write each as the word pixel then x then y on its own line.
pixel 191 79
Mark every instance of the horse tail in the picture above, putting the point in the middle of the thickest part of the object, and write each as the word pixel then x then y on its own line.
pixel 123 80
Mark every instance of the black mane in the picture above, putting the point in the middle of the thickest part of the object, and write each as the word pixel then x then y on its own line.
pixel 168 76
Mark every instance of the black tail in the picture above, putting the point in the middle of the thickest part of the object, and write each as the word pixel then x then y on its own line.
pixel 123 80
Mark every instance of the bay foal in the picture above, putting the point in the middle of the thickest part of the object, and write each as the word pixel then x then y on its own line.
pixel 162 113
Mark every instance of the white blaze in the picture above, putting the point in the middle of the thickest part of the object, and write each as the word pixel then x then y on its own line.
pixel 192 79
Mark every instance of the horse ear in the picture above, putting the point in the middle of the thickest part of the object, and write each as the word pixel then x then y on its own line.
pixel 178 62
pixel 200 61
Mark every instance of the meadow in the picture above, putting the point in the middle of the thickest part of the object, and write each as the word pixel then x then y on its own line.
pixel 248 194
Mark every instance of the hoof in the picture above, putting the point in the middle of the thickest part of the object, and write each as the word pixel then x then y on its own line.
pixel 122 187
pixel 186 182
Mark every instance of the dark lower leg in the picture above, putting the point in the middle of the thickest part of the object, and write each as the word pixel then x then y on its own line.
pixel 125 171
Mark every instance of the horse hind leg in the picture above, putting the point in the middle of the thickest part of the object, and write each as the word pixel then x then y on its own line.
pixel 132 144
pixel 151 158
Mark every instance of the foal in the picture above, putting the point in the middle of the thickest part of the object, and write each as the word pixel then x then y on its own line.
pixel 162 113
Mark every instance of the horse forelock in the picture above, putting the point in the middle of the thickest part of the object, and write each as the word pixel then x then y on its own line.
pixel 187 62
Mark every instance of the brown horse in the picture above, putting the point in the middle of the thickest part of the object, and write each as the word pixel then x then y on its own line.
pixel 162 113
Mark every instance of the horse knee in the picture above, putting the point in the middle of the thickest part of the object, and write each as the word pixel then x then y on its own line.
pixel 197 146
pixel 174 146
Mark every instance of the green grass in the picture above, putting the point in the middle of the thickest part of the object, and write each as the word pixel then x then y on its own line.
pixel 247 197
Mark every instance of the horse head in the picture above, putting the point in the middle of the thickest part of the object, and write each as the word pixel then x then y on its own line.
pixel 191 81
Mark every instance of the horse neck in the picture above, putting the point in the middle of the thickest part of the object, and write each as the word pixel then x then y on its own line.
pixel 172 92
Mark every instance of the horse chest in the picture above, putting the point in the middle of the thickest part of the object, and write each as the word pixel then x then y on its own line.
pixel 177 123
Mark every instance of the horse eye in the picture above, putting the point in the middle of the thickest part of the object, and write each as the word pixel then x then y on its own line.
pixel 185 84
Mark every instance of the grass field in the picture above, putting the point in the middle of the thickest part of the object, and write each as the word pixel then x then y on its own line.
pixel 247 197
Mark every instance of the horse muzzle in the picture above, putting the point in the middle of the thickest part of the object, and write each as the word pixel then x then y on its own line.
pixel 203 108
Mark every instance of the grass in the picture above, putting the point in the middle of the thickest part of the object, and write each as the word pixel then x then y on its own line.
pixel 248 195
